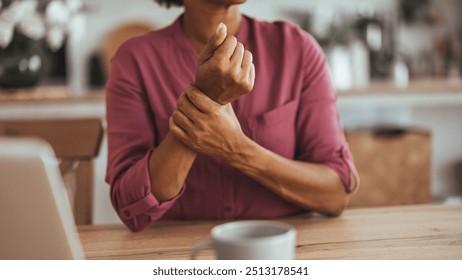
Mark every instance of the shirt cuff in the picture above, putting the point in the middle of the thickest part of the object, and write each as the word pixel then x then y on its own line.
pixel 140 207
pixel 352 185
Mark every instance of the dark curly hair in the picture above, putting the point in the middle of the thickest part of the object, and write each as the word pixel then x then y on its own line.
pixel 169 3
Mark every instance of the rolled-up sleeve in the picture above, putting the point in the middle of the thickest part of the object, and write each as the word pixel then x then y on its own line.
pixel 320 132
pixel 131 140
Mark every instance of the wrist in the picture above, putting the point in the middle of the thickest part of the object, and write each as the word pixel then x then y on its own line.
pixel 178 143
pixel 244 151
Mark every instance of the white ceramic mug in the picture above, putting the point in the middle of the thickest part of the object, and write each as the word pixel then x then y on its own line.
pixel 250 240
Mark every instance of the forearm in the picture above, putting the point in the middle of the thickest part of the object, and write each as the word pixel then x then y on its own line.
pixel 169 165
pixel 311 186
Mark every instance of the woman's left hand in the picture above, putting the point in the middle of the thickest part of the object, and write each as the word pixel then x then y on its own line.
pixel 206 126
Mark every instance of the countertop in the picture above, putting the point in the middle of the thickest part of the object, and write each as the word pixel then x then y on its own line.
pixel 419 93
pixel 51 102
pixel 58 101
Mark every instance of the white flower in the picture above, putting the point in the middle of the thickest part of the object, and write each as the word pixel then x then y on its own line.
pixel 59 19
pixel 19 10
pixel 6 33
pixel 55 38
pixel 33 27
pixel 57 12
pixel 74 5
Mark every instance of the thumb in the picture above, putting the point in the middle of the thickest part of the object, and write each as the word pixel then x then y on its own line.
pixel 213 43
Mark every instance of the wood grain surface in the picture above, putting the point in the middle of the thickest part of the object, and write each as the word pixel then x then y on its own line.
pixel 396 233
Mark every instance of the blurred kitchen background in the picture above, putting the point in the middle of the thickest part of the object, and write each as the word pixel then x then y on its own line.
pixel 397 66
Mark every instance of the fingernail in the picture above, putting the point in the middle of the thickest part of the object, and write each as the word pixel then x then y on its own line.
pixel 220 28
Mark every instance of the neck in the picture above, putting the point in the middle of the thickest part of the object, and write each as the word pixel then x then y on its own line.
pixel 201 21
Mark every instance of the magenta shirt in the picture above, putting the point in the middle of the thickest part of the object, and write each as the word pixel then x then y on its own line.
pixel 291 111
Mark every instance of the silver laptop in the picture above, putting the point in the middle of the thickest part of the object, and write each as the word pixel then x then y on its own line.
pixel 36 220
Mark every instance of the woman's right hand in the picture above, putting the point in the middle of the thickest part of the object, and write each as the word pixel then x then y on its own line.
pixel 225 71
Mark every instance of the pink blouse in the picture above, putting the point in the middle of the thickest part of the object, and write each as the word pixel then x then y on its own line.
pixel 291 111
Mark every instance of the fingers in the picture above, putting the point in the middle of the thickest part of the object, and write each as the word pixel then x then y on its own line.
pixel 194 102
pixel 251 77
pixel 200 100
pixel 176 130
pixel 182 120
pixel 238 55
pixel 248 69
pixel 247 61
pixel 213 43
pixel 241 61
pixel 185 106
pixel 226 50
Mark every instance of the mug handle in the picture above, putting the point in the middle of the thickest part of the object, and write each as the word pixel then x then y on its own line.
pixel 204 245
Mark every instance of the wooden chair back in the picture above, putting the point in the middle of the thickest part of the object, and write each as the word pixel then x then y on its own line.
pixel 76 142
pixel 116 37
pixel 393 165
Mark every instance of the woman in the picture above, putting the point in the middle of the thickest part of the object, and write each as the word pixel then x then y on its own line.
pixel 184 144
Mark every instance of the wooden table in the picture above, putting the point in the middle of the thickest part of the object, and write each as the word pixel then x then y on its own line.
pixel 406 232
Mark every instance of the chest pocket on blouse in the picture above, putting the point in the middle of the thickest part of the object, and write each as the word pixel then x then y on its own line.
pixel 275 129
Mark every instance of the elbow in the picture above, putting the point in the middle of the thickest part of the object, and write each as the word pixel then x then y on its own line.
pixel 337 208
pixel 342 196
pixel 135 222
pixel 330 205
pixel 337 205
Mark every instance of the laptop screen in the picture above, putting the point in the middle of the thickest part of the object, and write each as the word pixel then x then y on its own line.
pixel 35 215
